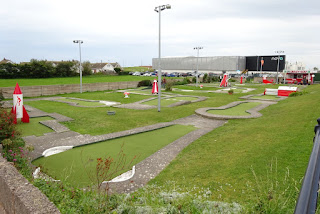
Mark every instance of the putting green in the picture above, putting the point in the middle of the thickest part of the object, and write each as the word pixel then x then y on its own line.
pixel 268 97
pixel 81 102
pixel 34 127
pixel 73 165
pixel 169 101
pixel 239 110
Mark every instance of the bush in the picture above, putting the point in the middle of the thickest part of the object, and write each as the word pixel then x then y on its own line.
pixel 1 98
pixel 124 73
pixel 298 93
pixel 144 83
pixel 169 85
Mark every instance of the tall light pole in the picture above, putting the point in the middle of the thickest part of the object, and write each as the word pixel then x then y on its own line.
pixel 278 52
pixel 80 42
pixel 197 71
pixel 158 10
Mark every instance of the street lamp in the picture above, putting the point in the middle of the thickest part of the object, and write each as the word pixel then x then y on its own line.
pixel 80 42
pixel 278 52
pixel 158 10
pixel 197 48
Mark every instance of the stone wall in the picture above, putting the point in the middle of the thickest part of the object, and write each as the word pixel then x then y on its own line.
pixel 17 195
pixel 43 90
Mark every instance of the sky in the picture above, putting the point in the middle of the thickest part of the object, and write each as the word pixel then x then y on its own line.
pixel 127 31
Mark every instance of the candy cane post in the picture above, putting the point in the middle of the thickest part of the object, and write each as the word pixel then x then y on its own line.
pixel 126 94
pixel 18 109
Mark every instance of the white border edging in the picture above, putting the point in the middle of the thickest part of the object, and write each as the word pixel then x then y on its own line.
pixel 55 150
pixel 123 177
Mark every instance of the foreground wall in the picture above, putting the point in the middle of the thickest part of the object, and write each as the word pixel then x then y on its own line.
pixel 17 195
pixel 42 90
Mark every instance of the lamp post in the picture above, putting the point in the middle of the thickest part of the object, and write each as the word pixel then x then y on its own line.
pixel 197 48
pixel 278 52
pixel 80 71
pixel 158 10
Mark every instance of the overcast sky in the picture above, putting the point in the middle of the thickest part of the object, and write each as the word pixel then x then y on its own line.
pixel 126 31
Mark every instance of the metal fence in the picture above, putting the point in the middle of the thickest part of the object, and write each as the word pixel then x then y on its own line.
pixel 308 197
pixel 217 63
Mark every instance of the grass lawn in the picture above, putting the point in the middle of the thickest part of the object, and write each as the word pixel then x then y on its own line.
pixel 73 164
pixel 269 97
pixel 34 127
pixel 275 148
pixel 245 161
pixel 70 80
pixel 82 103
pixel 238 110
pixel 169 101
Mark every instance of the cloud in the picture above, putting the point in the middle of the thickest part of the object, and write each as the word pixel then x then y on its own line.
pixel 128 30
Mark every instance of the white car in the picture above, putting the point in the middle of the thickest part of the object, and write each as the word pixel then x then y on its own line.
pixel 136 73
pixel 147 74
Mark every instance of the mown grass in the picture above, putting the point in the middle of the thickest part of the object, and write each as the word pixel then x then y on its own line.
pixel 226 159
pixel 73 164
pixel 82 102
pixel 223 160
pixel 95 121
pixel 238 110
pixel 34 127
pixel 70 80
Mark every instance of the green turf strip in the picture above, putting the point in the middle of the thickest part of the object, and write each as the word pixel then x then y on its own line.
pixel 82 103
pixel 34 127
pixel 169 101
pixel 268 97
pixel 68 165
pixel 239 110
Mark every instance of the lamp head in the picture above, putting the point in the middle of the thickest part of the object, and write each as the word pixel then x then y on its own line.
pixel 168 6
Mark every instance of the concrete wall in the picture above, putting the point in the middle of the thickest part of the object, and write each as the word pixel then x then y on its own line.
pixel 17 195
pixel 35 91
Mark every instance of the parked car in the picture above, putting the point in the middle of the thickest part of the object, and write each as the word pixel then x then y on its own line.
pixel 136 73
pixel 147 74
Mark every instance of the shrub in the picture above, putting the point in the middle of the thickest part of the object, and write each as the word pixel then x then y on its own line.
pixel 117 70
pixel 124 73
pixel 298 93
pixel 1 98
pixel 7 126
pixel 205 78
pixel 169 85
pixel 144 83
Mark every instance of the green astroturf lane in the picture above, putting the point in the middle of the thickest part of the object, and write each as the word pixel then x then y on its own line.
pixel 82 103
pixel 239 110
pixel 269 97
pixel 70 165
pixel 169 101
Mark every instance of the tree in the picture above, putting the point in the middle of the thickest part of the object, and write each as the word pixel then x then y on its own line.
pixel 65 69
pixel 315 69
pixel 86 68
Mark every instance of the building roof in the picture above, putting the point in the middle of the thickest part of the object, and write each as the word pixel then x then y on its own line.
pixel 4 61
pixel 98 65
